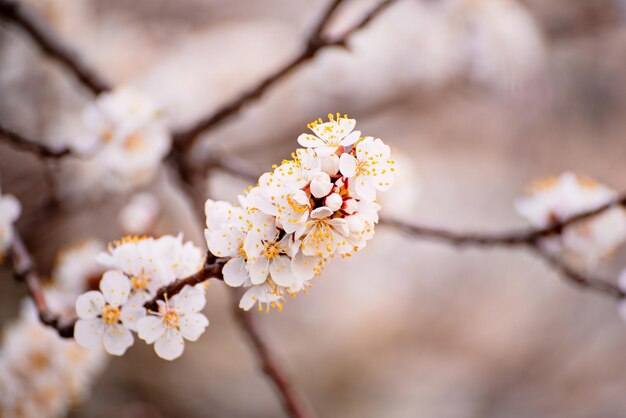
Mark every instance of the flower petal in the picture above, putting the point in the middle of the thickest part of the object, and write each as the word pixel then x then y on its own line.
pixel 193 326
pixel 235 272
pixel 117 339
pixel 259 269
pixel 190 299
pixel 150 329
pixel 115 287
pixel 131 315
pixel 309 141
pixel 280 270
pixel 347 165
pixel 170 346
pixel 90 304
pixel 88 332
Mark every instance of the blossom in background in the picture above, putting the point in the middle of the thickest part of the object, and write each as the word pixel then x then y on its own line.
pixel 123 138
pixel 76 269
pixel 104 319
pixel 140 214
pixel 319 204
pixel 177 319
pixel 557 199
pixel 10 210
pixel 42 374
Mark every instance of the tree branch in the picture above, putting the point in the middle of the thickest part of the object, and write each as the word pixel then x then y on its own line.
pixel 25 271
pixel 212 268
pixel 293 401
pixel 19 141
pixel 51 44
pixel 316 42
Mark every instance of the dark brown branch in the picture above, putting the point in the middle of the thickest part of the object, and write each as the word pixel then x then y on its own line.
pixel 51 44
pixel 583 280
pixel 316 42
pixel 26 272
pixel 212 268
pixel 293 401
pixel 19 141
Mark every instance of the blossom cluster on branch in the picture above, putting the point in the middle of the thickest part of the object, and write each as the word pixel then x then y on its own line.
pixel 317 205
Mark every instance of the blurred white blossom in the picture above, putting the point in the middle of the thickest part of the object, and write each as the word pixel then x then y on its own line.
pixel 76 266
pixel 140 214
pixel 10 210
pixel 556 199
pixel 123 140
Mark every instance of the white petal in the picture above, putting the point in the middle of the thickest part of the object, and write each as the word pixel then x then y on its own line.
pixel 223 242
pixel 190 299
pixel 321 213
pixel 90 304
pixel 170 346
pixel 333 201
pixel 235 272
pixel 88 332
pixel 115 287
pixel 321 185
pixel 253 245
pixel 347 165
pixel 131 315
pixel 259 269
pixel 303 266
pixel 117 339
pixel 193 326
pixel 364 188
pixel 351 139
pixel 309 141
pixel 280 270
pixel 150 329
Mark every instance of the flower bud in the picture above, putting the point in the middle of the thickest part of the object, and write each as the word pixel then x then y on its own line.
pixel 349 206
pixel 321 185
pixel 333 202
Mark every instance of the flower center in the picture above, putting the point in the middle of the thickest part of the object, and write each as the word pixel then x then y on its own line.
pixel 242 252
pixel 170 318
pixel 111 314
pixel 297 207
pixel 139 282
pixel 133 142
pixel 271 250
pixel 362 168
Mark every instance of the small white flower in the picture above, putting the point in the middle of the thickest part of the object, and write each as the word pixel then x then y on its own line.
pixel 321 185
pixel 76 266
pixel 127 140
pixel 268 258
pixel 559 198
pixel 103 318
pixel 324 233
pixel 140 214
pixel 329 136
pixel 183 258
pixel 10 210
pixel 370 170
pixel 177 319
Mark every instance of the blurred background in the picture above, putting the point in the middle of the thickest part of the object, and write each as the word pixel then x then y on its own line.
pixel 476 98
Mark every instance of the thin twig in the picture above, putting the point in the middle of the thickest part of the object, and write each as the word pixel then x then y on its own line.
pixel 212 268
pixel 25 271
pixel 26 144
pixel 51 44
pixel 316 42
pixel 293 401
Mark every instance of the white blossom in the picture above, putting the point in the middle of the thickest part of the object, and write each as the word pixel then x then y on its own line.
pixel 103 317
pixel 319 204
pixel 557 199
pixel 177 319
pixel 140 214
pixel 76 266
pixel 10 210
pixel 124 138
pixel 338 131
